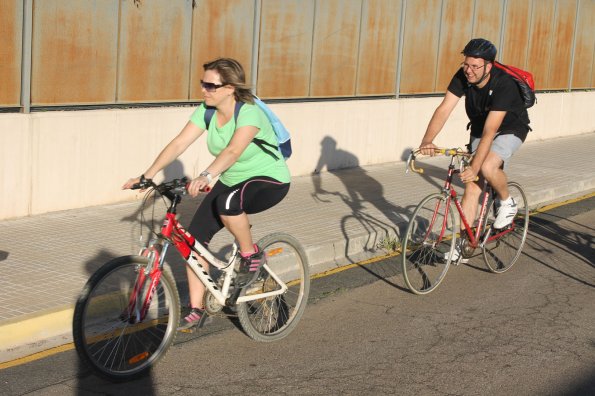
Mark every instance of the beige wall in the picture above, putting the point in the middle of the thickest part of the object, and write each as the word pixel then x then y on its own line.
pixel 54 161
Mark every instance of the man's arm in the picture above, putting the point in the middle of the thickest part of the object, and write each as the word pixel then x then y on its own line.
pixel 441 114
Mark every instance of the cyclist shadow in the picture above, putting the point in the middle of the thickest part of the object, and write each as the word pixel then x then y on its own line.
pixel 363 232
pixel 544 231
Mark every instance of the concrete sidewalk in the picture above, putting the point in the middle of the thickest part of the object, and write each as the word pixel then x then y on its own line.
pixel 339 217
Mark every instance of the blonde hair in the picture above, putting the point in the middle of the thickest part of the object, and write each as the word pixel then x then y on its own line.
pixel 232 73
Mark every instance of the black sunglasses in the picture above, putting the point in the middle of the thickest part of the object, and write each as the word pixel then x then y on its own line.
pixel 210 87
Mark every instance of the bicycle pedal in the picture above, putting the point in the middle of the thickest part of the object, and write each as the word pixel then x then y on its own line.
pixel 232 300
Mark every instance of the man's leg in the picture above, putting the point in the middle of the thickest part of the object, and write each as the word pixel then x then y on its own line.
pixel 469 203
pixel 490 169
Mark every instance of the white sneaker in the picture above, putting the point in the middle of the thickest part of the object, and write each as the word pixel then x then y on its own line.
pixel 506 213
pixel 454 257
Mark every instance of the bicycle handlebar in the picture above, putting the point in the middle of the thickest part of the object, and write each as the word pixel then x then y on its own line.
pixel 175 186
pixel 449 152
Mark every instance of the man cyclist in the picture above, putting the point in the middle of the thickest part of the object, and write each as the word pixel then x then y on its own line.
pixel 499 124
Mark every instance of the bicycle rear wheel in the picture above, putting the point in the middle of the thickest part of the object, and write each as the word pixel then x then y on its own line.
pixel 501 254
pixel 105 334
pixel 273 318
pixel 428 242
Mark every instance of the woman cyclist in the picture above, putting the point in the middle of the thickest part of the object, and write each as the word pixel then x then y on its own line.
pixel 251 179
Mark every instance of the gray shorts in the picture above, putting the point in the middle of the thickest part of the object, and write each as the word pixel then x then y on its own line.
pixel 503 145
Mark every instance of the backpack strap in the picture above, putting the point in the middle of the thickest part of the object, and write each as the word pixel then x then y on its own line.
pixel 262 143
pixel 210 111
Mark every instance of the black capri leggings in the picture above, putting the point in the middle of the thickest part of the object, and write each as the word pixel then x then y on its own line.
pixel 251 196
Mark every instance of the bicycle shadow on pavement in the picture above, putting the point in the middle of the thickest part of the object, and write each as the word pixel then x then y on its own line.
pixel 89 384
pixel 362 231
pixel 545 231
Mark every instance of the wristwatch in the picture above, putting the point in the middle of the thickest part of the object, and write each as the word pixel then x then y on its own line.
pixel 207 175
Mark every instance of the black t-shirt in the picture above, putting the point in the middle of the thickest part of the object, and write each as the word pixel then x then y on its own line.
pixel 501 93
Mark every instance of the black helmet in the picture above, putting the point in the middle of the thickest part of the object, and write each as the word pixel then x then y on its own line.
pixel 480 48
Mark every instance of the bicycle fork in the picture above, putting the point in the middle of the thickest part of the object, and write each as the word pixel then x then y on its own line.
pixel 136 312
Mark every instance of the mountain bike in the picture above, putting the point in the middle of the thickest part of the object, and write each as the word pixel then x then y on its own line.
pixel 127 315
pixel 431 235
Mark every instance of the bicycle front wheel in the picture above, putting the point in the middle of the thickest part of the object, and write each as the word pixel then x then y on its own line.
pixel 501 253
pixel 108 336
pixel 273 318
pixel 428 242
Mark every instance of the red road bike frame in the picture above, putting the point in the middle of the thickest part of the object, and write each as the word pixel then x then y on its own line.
pixel 474 238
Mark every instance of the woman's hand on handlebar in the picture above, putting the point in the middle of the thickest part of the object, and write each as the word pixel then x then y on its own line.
pixel 198 185
pixel 427 148
pixel 130 183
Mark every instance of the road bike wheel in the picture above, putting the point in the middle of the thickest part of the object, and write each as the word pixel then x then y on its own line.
pixel 429 239
pixel 273 318
pixel 106 337
pixel 501 254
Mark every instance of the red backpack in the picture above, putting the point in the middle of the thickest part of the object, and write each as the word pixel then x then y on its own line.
pixel 524 80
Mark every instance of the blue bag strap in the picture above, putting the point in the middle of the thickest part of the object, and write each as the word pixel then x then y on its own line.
pixel 210 111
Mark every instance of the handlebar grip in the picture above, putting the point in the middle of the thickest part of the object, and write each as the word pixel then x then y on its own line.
pixel 206 189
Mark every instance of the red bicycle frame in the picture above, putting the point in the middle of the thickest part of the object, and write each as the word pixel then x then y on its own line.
pixel 474 238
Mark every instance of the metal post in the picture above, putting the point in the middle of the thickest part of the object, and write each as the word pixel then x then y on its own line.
pixel 26 60
pixel 400 52
pixel 255 45
pixel 571 74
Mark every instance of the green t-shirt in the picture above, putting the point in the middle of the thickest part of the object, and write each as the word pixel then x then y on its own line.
pixel 253 161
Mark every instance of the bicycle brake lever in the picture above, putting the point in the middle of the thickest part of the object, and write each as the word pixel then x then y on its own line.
pixel 408 162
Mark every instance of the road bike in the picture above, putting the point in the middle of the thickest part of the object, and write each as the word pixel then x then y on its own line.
pixel 127 315
pixel 431 236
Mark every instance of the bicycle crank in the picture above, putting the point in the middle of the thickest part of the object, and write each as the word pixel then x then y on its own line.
pixel 212 306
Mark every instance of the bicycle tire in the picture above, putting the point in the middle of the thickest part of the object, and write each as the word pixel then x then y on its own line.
pixel 423 256
pixel 501 254
pixel 273 318
pixel 108 342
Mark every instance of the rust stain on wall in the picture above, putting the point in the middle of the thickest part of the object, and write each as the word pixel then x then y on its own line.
pixel 335 52
pixel 420 47
pixel 74 52
pixel 559 74
pixel 110 51
pixel 285 48
pixel 585 46
pixel 516 34
pixel 457 22
pixel 11 31
pixel 379 47
pixel 221 29
pixel 540 42
pixel 488 17
pixel 155 51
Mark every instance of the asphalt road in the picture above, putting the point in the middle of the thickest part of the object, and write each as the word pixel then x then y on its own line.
pixel 530 331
